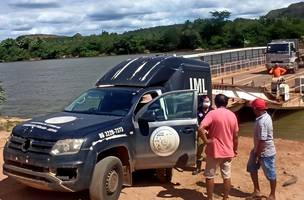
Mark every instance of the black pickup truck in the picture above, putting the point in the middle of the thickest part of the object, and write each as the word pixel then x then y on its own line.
pixel 107 133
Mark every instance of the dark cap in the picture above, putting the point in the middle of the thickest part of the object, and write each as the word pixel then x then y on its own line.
pixel 204 98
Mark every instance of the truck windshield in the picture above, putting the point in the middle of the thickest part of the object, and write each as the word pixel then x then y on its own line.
pixel 277 48
pixel 103 101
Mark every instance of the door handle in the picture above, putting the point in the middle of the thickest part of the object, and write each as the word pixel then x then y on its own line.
pixel 188 130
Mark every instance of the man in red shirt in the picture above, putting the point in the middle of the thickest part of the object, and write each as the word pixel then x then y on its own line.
pixel 277 78
pixel 277 71
pixel 219 130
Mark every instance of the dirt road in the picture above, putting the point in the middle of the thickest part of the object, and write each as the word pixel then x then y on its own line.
pixel 184 185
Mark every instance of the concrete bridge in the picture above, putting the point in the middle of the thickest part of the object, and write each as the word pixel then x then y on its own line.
pixel 241 75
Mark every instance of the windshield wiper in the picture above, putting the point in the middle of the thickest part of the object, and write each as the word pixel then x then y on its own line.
pixel 94 113
pixel 81 112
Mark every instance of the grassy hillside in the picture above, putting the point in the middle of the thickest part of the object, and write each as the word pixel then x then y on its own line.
pixel 217 32
pixel 295 10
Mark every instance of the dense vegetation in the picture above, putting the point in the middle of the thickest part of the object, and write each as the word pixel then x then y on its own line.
pixel 213 33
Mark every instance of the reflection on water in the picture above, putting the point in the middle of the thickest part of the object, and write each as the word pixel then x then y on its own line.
pixel 40 87
pixel 288 124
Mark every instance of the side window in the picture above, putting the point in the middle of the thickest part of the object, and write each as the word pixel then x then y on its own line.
pixel 292 47
pixel 146 98
pixel 173 106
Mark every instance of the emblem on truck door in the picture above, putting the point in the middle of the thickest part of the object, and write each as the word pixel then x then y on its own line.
pixel 164 141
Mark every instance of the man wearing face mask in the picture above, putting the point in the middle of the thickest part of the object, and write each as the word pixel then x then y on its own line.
pixel 204 107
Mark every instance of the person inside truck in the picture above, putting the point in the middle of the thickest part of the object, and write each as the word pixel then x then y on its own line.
pixel 146 98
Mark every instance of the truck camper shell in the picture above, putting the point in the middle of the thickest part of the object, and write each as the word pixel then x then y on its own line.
pixel 170 72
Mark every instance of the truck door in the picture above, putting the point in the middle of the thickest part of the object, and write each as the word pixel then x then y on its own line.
pixel 165 131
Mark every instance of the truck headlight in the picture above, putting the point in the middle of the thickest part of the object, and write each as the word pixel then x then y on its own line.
pixel 67 146
pixel 8 139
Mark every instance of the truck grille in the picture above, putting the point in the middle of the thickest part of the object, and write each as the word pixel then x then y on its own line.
pixel 27 166
pixel 30 145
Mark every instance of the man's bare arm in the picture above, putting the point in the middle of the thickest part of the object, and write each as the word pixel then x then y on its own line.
pixel 202 132
pixel 270 71
pixel 235 143
pixel 260 148
pixel 283 71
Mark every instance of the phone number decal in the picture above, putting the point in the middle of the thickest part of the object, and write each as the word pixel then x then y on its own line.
pixel 110 132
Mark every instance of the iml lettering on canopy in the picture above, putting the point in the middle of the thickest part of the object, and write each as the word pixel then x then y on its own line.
pixel 198 84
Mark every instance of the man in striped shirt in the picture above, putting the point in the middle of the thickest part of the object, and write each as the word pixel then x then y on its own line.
pixel 263 153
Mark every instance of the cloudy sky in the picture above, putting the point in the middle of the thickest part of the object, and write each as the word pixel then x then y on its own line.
pixel 67 17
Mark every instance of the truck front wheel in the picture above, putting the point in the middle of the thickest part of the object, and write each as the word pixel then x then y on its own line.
pixel 107 179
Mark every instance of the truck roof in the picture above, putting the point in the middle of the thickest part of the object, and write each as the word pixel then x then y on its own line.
pixel 280 42
pixel 286 41
pixel 149 71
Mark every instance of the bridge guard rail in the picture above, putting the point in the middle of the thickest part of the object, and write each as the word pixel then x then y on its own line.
pixel 228 61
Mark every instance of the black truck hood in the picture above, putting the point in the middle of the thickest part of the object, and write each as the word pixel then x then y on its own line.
pixel 65 125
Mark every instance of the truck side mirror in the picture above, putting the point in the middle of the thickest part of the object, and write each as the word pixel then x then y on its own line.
pixel 148 116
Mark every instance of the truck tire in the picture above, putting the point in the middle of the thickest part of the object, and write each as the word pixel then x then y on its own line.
pixel 107 179
pixel 164 175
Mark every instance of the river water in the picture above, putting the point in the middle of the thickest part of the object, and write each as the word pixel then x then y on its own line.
pixel 40 87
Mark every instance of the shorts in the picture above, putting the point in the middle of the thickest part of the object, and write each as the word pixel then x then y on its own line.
pixel 212 163
pixel 267 164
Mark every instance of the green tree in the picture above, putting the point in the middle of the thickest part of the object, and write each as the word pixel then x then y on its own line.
pixel 122 46
pixel 220 15
pixel 3 53
pixel 217 42
pixel 8 43
pixel 190 39
pixel 171 39
pixel 285 28
pixel 23 42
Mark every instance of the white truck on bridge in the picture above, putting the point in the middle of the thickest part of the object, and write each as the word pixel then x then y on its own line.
pixel 286 52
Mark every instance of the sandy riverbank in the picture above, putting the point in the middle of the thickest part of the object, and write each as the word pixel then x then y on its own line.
pixel 184 186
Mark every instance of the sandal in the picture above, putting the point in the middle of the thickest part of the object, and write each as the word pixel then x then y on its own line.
pixel 195 172
pixel 254 196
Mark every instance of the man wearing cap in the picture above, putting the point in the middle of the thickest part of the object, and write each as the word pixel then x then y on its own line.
pixel 204 107
pixel 219 130
pixel 263 153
